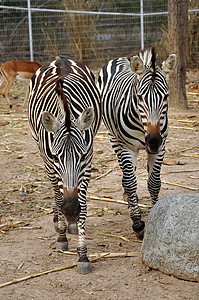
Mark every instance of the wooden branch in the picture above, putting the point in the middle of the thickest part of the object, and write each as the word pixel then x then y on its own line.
pixel 36 275
pixel 180 185
pixel 96 255
pixel 115 201
pixel 105 254
pixel 7 226
pixel 190 155
pixel 180 127
pixel 169 297
pixel 113 255
pixel 180 171
pixel 103 175
pixel 114 235
pixel 187 149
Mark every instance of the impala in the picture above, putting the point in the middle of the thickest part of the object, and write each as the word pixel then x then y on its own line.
pixel 12 70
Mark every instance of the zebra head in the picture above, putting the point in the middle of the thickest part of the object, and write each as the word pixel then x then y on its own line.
pixel 152 93
pixel 70 156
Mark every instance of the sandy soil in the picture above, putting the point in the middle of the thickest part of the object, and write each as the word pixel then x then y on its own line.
pixel 27 236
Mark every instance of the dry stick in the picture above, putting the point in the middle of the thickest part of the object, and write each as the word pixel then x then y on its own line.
pixel 115 201
pixel 29 228
pixel 103 175
pixel 186 149
pixel 114 235
pixel 194 177
pixel 179 171
pixel 45 272
pixel 192 93
pixel 180 185
pixel 67 252
pixel 7 226
pixel 190 155
pixel 106 254
pixel 193 100
pixel 180 127
pixel 112 254
pixel 169 297
pixel 14 116
pixel 184 121
pixel 36 275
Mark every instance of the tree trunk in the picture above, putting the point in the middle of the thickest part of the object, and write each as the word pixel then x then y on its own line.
pixel 178 41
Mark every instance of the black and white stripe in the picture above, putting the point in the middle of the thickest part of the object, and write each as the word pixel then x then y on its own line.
pixel 134 100
pixel 64 116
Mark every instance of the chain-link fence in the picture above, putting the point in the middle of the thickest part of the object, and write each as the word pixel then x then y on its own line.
pixel 91 31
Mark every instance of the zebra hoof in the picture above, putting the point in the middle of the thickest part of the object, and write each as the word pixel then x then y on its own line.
pixel 84 267
pixel 62 244
pixel 73 229
pixel 140 235
pixel 139 231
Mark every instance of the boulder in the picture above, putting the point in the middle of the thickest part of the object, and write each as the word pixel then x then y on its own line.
pixel 171 238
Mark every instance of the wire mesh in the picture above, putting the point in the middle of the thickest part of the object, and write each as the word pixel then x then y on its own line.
pixel 91 31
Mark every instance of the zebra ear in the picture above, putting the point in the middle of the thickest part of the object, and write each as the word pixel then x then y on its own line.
pixel 169 64
pixel 50 123
pixel 86 119
pixel 137 65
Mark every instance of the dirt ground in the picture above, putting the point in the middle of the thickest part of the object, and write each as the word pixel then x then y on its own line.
pixel 27 236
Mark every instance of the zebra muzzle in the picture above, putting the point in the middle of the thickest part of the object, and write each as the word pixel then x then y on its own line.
pixel 71 206
pixel 153 143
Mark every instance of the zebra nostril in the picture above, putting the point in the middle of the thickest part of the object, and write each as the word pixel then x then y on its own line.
pixel 153 142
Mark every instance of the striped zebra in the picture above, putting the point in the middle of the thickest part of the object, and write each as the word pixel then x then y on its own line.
pixel 64 116
pixel 134 102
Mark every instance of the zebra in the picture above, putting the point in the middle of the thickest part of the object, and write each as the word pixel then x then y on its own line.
pixel 134 96
pixel 64 115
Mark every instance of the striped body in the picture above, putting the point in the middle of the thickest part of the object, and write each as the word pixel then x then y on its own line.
pixel 64 116
pixel 135 114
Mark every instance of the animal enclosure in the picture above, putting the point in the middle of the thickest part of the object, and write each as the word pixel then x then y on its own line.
pixel 89 31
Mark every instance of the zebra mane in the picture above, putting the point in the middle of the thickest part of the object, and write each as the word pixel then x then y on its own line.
pixel 149 58
pixel 59 90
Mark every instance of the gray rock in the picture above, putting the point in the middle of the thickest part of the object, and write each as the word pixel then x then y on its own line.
pixel 171 238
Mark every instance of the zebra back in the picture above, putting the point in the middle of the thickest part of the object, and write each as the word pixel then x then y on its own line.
pixel 63 85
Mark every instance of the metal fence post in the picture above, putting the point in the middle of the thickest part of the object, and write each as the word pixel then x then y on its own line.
pixel 30 30
pixel 142 24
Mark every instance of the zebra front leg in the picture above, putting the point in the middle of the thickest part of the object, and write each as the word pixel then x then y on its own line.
pixel 83 264
pixel 154 168
pixel 60 227
pixel 128 160
pixel 59 218
pixel 59 222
